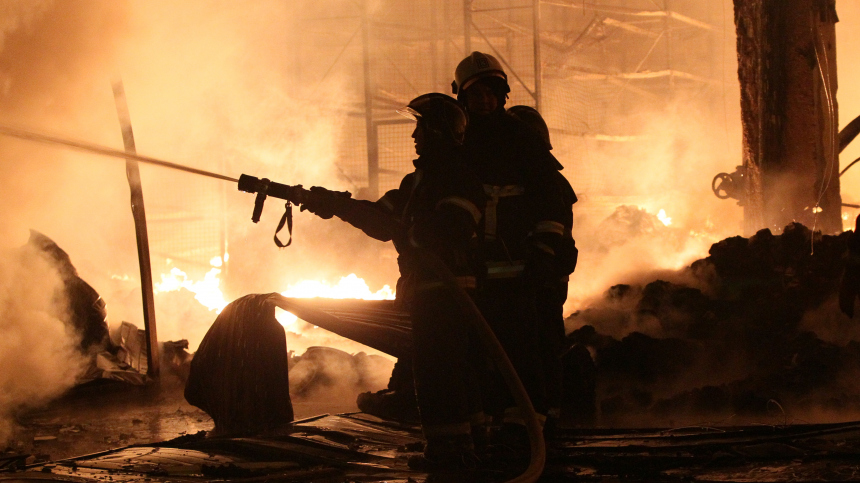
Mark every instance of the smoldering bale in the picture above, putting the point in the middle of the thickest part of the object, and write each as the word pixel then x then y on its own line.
pixel 86 308
pixel 239 374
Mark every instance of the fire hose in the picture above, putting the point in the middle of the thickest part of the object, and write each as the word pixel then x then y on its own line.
pixel 537 459
pixel 104 151
pixel 431 263
pixel 426 260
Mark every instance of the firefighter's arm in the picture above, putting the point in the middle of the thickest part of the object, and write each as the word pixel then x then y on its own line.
pixel 543 250
pixel 547 234
pixel 370 217
pixel 373 220
pixel 454 220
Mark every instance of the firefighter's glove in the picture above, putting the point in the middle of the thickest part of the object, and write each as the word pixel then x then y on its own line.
pixel 540 271
pixel 321 202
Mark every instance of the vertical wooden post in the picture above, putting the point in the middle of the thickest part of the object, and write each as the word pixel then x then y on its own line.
pixel 370 128
pixel 139 213
pixel 787 72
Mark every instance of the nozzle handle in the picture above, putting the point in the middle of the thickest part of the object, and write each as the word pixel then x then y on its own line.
pixel 262 190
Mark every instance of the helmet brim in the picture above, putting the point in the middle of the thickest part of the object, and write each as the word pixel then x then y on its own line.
pixel 409 113
pixel 483 75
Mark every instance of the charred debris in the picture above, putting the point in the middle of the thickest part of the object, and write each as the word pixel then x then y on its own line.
pixel 753 332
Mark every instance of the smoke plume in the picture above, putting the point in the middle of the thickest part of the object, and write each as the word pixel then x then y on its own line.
pixel 38 348
pixel 208 85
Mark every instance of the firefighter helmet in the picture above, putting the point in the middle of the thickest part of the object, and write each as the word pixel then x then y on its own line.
pixel 442 116
pixel 478 66
pixel 533 119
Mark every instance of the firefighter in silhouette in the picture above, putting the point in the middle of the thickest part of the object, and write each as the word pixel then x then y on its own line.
pixel 849 289
pixel 550 300
pixel 436 208
pixel 523 229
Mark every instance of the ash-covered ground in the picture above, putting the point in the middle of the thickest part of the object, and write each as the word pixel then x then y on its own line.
pixel 750 334
pixel 103 415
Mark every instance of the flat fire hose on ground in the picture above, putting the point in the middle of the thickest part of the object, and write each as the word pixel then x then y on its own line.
pixel 428 261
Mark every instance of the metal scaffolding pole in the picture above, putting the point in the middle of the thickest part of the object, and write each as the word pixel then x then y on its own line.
pixel 537 58
pixel 467 26
pixel 372 144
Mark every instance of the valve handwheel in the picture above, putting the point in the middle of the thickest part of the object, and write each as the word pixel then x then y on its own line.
pixel 725 187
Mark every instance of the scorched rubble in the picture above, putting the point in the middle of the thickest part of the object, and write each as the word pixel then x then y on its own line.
pixel 741 332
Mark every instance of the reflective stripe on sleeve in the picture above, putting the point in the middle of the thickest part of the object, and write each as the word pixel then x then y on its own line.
pixel 544 247
pixel 549 226
pixel 505 269
pixel 466 282
pixel 386 203
pixel 464 204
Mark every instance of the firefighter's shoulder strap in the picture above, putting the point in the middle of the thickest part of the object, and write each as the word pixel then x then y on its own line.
pixel 494 193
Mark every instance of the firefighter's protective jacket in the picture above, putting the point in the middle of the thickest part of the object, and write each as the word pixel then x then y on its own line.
pixel 567 252
pixel 526 212
pixel 437 207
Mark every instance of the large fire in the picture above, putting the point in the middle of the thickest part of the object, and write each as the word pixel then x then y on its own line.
pixel 349 287
pixel 299 333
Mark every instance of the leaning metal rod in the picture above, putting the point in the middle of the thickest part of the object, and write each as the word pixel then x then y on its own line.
pixel 94 148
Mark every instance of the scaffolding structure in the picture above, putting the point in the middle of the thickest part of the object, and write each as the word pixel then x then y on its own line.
pixel 592 67
pixel 586 65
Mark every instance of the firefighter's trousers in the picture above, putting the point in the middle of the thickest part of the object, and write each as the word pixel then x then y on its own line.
pixel 445 355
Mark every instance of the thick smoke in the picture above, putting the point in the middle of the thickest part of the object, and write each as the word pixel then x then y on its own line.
pixel 38 350
pixel 675 217
pixel 324 374
pixel 208 85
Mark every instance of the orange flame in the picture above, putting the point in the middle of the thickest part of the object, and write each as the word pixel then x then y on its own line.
pixel 208 292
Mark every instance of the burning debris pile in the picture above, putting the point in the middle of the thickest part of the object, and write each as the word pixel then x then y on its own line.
pixel 753 330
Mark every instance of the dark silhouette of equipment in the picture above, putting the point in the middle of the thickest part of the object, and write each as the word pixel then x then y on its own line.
pixel 264 188
pixel 731 185
pixel 295 194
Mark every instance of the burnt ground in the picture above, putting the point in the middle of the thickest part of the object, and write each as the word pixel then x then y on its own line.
pixel 107 415
pixel 358 447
